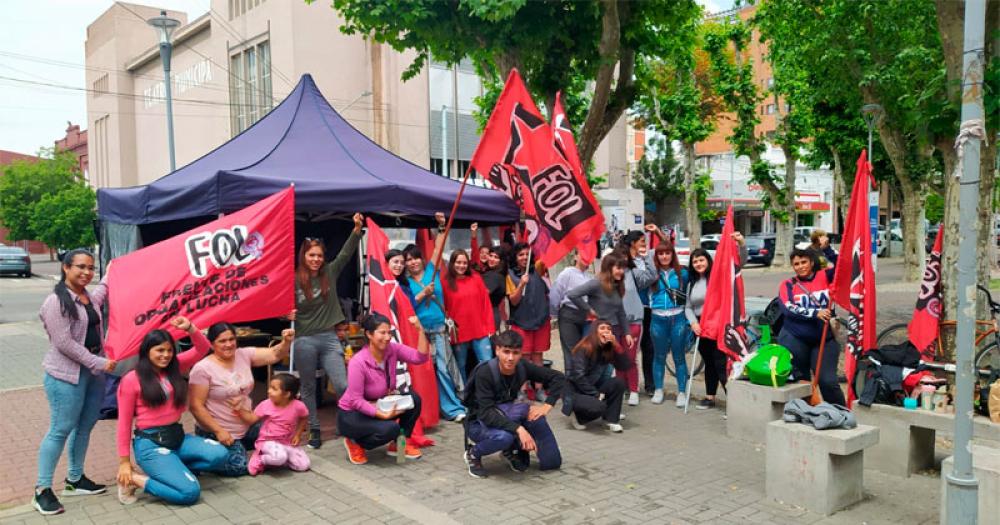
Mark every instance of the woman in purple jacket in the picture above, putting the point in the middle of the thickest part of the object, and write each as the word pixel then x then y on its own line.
pixel 371 375
pixel 74 378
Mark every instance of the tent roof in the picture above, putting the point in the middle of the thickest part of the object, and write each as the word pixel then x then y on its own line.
pixel 335 169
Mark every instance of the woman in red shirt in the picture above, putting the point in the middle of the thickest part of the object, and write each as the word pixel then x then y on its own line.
pixel 467 302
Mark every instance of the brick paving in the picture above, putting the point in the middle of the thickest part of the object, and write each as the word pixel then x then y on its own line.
pixel 666 468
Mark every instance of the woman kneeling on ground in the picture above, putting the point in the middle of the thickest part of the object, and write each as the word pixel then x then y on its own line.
pixel 590 392
pixel 371 375
pixel 224 375
pixel 155 396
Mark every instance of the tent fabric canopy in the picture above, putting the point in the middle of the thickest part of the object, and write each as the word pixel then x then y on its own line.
pixel 335 169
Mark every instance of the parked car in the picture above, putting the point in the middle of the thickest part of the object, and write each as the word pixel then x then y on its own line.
pixel 884 240
pixel 682 247
pixel 15 261
pixel 760 249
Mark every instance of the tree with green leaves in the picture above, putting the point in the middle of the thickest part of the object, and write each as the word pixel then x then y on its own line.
pixel 884 52
pixel 733 80
pixel 556 45
pixel 65 219
pixel 24 183
pixel 663 181
pixel 677 100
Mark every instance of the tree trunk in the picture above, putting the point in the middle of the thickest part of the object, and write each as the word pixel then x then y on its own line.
pixel 691 196
pixel 784 241
pixel 914 233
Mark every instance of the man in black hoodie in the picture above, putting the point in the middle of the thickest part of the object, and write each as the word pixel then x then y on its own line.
pixel 499 421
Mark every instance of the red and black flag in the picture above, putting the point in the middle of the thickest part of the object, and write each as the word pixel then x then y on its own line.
pixel 536 165
pixel 387 297
pixel 724 312
pixel 924 327
pixel 853 286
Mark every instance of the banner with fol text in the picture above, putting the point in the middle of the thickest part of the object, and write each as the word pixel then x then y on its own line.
pixel 238 268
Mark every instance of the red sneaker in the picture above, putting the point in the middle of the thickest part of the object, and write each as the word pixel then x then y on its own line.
pixel 355 453
pixel 411 451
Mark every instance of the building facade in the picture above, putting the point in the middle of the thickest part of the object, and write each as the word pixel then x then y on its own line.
pixel 730 177
pixel 233 64
pixel 75 141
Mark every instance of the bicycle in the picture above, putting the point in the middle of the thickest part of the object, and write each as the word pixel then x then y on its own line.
pixel 987 355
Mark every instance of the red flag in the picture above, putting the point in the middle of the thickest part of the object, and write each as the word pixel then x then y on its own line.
pixel 924 327
pixel 237 268
pixel 388 298
pixel 853 286
pixel 724 312
pixel 589 231
pixel 537 166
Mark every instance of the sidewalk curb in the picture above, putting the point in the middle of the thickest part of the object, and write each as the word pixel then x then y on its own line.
pixel 15 511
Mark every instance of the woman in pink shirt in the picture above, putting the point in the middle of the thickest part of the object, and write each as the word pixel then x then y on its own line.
pixel 154 395
pixel 371 375
pixel 227 373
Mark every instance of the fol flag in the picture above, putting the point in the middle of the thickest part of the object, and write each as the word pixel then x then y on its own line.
pixel 388 298
pixel 924 327
pixel 536 165
pixel 237 268
pixel 853 286
pixel 724 312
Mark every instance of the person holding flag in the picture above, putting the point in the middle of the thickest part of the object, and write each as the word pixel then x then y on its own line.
pixel 318 310
pixel 699 273
pixel 425 293
pixel 806 308
pixel 528 294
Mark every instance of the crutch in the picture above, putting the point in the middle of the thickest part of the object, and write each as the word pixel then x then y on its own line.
pixel 694 366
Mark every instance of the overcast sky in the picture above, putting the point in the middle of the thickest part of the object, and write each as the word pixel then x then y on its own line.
pixel 42 41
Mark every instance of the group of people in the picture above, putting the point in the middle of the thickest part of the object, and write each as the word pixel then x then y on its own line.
pixel 484 322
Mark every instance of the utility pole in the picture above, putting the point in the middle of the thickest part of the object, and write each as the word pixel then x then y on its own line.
pixel 962 488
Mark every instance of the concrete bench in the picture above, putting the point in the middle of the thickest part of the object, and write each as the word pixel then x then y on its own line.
pixel 750 407
pixel 986 467
pixel 821 470
pixel 907 443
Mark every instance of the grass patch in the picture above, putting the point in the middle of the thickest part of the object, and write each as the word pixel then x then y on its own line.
pixel 994 284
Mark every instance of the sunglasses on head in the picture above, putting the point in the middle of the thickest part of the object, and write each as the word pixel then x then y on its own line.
pixel 314 239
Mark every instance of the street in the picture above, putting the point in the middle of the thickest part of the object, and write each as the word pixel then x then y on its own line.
pixel 667 467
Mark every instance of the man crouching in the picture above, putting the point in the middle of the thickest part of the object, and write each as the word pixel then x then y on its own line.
pixel 500 420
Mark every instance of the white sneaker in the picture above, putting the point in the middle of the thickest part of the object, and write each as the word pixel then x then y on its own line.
pixel 681 399
pixel 576 423
pixel 459 418
pixel 615 427
pixel 621 417
pixel 633 399
pixel 658 396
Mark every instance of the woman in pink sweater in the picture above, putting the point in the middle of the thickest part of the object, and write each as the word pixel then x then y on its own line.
pixel 155 396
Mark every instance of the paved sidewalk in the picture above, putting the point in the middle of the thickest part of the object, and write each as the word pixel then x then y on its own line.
pixel 666 468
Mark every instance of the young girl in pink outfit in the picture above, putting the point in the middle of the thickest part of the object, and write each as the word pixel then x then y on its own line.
pixel 285 418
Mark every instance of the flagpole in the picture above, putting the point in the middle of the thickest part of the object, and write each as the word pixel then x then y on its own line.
pixel 694 366
pixel 291 351
pixel 451 219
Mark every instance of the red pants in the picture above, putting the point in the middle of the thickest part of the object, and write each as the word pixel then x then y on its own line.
pixel 535 341
pixel 630 376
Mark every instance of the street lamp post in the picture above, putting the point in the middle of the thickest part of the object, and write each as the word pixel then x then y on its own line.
pixel 872 113
pixel 165 27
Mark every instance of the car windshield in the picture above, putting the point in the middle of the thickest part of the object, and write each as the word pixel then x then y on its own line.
pixel 682 243
pixel 754 242
pixel 13 251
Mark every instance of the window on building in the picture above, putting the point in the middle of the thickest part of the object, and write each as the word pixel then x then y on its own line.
pixel 771 109
pixel 100 85
pixel 239 8
pixel 770 83
pixel 437 166
pixel 250 95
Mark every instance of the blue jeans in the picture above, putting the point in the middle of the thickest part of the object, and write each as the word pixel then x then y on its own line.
pixel 670 335
pixel 73 412
pixel 482 348
pixel 169 471
pixel 491 440
pixel 451 407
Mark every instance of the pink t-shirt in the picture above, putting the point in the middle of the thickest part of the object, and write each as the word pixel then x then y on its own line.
pixel 131 406
pixel 280 422
pixel 223 384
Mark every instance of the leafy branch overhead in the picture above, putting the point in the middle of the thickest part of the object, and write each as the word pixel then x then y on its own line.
pixel 575 46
